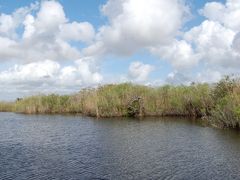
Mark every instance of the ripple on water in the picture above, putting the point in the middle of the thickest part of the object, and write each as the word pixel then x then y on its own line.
pixel 73 147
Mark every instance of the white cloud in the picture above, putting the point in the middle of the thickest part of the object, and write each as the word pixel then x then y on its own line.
pixel 178 78
pixel 136 24
pixel 38 74
pixel 228 14
pixel 213 42
pixel 50 16
pixel 139 72
pixel 32 73
pixel 49 38
pixel 77 32
pixel 7 48
pixel 205 76
pixel 236 43
pixel 39 52
pixel 180 54
pixel 41 37
pixel 85 72
pixel 209 76
pixel 7 25
pixel 29 26
pixel 46 35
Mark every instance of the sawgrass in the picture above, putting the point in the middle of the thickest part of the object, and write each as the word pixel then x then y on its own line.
pixel 219 104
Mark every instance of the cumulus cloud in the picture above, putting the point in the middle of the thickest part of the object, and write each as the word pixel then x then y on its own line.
pixel 49 17
pixel 6 25
pixel 9 23
pixel 209 76
pixel 41 38
pixel 213 42
pixel 178 78
pixel 236 43
pixel 227 14
pixel 34 73
pixel 29 26
pixel 139 72
pixel 84 72
pixel 179 53
pixel 7 48
pixel 77 32
pixel 46 35
pixel 40 50
pixel 136 24
pixel 205 76
pixel 37 74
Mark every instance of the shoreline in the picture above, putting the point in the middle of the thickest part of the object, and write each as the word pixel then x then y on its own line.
pixel 217 104
pixel 203 120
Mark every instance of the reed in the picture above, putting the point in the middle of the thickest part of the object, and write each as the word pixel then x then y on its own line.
pixel 6 106
pixel 116 100
pixel 219 104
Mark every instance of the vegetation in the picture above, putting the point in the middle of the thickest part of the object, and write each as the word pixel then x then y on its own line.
pixel 6 106
pixel 226 98
pixel 219 104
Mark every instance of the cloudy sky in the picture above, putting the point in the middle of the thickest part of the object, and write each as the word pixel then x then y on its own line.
pixel 62 46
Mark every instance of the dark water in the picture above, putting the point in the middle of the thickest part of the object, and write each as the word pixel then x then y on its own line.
pixel 73 147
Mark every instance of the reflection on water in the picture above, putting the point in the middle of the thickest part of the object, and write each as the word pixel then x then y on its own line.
pixel 74 147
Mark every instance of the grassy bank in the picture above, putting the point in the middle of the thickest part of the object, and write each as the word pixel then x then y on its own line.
pixel 123 100
pixel 219 104
pixel 6 106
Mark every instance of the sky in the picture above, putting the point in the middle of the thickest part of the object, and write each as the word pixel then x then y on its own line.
pixel 52 46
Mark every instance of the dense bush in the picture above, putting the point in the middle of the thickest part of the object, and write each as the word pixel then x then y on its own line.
pixel 226 96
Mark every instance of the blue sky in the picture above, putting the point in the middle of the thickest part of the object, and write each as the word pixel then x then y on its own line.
pixel 62 46
pixel 76 10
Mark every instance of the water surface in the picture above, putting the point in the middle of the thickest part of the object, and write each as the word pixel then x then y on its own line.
pixel 75 147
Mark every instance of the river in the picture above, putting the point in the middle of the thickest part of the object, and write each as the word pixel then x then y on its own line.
pixel 76 147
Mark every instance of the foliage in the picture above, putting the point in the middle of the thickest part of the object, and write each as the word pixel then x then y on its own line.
pixel 6 106
pixel 219 103
pixel 226 95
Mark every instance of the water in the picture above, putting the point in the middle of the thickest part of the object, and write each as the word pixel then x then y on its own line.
pixel 74 147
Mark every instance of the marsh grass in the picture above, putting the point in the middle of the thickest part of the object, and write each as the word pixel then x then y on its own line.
pixel 226 96
pixel 219 104
pixel 115 100
pixel 6 106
